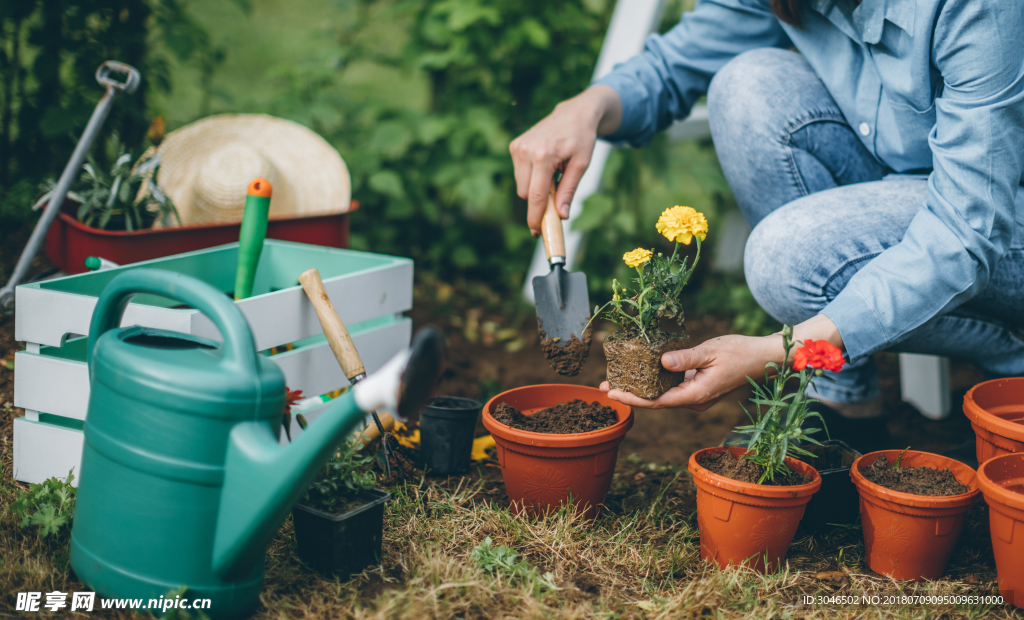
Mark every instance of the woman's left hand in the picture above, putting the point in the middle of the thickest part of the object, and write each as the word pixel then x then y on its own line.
pixel 713 369
pixel 720 365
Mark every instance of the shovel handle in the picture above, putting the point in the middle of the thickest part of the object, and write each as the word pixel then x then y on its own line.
pixel 551 229
pixel 337 336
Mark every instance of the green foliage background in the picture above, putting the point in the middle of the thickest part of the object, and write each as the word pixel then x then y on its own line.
pixel 421 97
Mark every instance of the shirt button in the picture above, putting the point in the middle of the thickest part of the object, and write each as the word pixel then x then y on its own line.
pixel 864 129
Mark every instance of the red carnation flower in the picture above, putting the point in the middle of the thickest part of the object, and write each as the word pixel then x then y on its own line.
pixel 291 397
pixel 818 354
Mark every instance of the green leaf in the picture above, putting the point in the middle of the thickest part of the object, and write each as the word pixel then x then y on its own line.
pixel 387 182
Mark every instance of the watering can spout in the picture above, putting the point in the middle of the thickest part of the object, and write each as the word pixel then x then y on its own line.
pixel 263 479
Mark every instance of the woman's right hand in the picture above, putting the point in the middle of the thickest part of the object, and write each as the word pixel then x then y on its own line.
pixel 564 141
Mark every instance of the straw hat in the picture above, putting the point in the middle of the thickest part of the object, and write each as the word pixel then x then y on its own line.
pixel 205 168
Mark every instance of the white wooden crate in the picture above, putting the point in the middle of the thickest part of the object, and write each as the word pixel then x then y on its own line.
pixel 51 379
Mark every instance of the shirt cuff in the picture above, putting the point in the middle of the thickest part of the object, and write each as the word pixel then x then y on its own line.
pixel 632 94
pixel 858 325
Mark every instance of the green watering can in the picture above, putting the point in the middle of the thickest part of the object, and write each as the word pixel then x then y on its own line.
pixel 183 480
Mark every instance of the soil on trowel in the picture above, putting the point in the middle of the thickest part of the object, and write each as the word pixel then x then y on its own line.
pixel 575 416
pixel 566 358
pixel 634 364
pixel 738 468
pixel 916 480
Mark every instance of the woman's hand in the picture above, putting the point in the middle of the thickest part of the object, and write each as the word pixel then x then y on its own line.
pixel 564 141
pixel 713 369
pixel 720 365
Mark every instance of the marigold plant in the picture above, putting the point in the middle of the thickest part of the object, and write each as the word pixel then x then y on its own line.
pixel 660 279
pixel 777 423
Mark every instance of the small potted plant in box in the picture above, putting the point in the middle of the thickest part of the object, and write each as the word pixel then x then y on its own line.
pixel 339 522
pixel 634 352
pixel 750 500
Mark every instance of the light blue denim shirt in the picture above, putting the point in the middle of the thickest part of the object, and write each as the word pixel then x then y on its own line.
pixel 930 86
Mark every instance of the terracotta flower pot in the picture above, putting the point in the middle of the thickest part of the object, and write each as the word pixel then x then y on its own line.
pixel 909 536
pixel 996 411
pixel 1002 482
pixel 542 470
pixel 746 523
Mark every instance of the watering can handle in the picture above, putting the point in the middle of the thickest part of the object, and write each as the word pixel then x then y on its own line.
pixel 239 347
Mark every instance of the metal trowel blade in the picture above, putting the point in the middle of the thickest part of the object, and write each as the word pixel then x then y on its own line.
pixel 563 305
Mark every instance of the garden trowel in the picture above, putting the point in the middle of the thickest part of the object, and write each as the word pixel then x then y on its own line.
pixel 563 305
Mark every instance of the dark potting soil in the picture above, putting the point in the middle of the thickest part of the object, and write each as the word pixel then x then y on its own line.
pixel 575 416
pixel 916 480
pixel 738 468
pixel 634 364
pixel 403 461
pixel 566 358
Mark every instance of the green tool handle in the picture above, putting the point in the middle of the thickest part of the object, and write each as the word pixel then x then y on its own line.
pixel 252 235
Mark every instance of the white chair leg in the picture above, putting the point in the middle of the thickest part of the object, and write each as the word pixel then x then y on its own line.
pixel 924 383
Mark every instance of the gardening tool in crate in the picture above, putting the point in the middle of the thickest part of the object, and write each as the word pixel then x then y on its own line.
pixel 103 76
pixel 184 481
pixel 563 305
pixel 341 344
pixel 252 235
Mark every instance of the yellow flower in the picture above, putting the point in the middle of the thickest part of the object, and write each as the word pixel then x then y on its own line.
pixel 637 257
pixel 682 224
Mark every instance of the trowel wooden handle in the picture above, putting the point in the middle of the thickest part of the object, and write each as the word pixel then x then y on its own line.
pixel 337 336
pixel 551 229
pixel 386 420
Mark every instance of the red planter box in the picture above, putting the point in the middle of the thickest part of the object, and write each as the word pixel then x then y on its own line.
pixel 69 242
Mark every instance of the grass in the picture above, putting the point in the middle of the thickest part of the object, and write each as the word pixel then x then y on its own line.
pixel 453 549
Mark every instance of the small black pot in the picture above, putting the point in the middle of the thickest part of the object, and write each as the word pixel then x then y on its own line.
pixel 447 426
pixel 342 544
pixel 837 501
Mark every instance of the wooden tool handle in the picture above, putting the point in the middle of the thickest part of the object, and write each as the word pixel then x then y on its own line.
pixel 337 336
pixel 386 420
pixel 551 229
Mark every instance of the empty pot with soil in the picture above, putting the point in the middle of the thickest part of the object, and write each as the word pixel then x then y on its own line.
pixel 996 411
pixel 557 443
pixel 740 521
pixel 1002 482
pixel 912 510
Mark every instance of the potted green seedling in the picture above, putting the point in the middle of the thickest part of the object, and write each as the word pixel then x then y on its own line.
pixel 750 499
pixel 634 352
pixel 125 198
pixel 339 522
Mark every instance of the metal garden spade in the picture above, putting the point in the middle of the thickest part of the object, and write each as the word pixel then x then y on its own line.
pixel 563 305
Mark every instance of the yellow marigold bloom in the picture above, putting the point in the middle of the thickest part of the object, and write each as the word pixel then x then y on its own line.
pixel 682 224
pixel 637 257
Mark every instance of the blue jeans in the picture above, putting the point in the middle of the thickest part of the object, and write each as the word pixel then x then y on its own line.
pixel 821 207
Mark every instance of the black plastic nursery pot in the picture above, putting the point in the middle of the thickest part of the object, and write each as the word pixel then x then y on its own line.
pixel 447 426
pixel 343 544
pixel 837 501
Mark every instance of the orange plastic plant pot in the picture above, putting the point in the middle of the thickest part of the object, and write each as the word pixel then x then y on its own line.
pixel 907 536
pixel 1002 482
pixel 996 411
pixel 541 470
pixel 746 523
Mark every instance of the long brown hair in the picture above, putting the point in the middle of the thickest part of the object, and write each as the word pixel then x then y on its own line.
pixel 789 11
